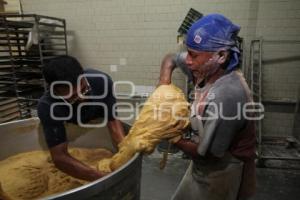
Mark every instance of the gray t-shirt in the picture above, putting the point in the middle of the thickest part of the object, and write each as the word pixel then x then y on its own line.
pixel 223 118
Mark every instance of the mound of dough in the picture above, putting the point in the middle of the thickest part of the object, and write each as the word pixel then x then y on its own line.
pixel 32 175
pixel 164 115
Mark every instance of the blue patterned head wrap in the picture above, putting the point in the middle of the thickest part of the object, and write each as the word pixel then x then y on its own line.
pixel 215 32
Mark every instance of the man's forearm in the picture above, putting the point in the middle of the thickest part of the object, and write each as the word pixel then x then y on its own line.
pixel 75 168
pixel 165 77
pixel 166 69
pixel 116 131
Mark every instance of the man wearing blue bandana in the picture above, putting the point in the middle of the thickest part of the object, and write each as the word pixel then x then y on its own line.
pixel 223 143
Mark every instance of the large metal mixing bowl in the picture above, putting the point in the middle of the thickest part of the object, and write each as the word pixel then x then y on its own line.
pixel 124 183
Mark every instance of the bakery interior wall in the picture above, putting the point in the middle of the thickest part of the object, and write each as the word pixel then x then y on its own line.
pixel 128 38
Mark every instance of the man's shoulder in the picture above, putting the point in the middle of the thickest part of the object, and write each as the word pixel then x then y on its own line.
pixel 45 100
pixel 229 89
pixel 47 108
pixel 43 107
pixel 45 103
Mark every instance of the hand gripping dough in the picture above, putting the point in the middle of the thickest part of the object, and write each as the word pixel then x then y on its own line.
pixel 164 115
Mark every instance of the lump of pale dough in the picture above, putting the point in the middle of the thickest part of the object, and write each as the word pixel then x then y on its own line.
pixel 164 115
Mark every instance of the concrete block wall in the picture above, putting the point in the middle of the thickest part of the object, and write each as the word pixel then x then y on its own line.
pixel 12 6
pixel 278 124
pixel 279 20
pixel 139 32
pixel 131 36
pixel 281 70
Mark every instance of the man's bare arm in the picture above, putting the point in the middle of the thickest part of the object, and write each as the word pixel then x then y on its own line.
pixel 167 67
pixel 116 131
pixel 71 166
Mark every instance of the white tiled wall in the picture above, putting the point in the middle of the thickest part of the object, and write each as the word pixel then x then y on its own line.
pixel 133 35
pixel 280 20
pixel 278 124
pixel 281 70
pixel 138 31
pixel 12 6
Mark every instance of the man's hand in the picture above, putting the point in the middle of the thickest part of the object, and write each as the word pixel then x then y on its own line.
pixel 103 173
pixel 167 67
pixel 188 147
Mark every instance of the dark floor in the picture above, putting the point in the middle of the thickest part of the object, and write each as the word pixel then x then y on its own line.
pixel 273 184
